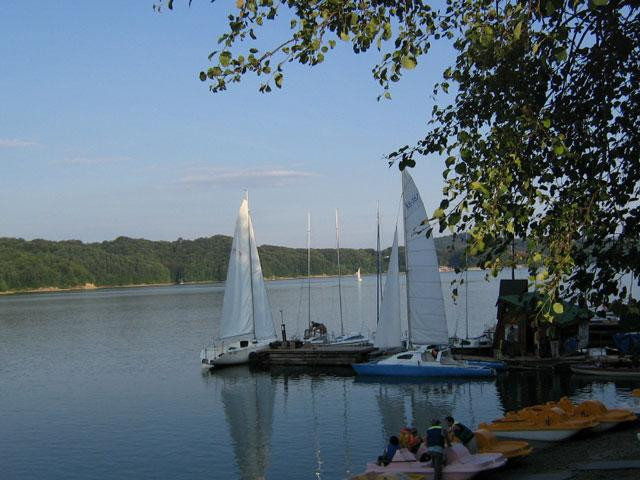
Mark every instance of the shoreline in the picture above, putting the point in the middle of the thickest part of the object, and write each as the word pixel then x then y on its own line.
pixel 91 287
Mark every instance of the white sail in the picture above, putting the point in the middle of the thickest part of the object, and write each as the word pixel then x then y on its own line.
pixel 245 307
pixel 425 303
pixel 264 328
pixel 389 333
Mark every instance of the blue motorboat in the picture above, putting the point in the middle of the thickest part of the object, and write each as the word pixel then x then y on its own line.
pixel 425 361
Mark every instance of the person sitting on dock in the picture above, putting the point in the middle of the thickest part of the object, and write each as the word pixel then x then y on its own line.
pixel 410 439
pixel 435 441
pixel 386 458
pixel 462 433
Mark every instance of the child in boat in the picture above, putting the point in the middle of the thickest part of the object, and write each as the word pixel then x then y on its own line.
pixel 390 451
pixel 462 433
pixel 410 439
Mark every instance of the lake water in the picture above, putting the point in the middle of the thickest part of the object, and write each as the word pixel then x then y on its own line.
pixel 107 384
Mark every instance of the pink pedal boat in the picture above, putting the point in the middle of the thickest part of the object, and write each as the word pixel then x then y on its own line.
pixel 460 464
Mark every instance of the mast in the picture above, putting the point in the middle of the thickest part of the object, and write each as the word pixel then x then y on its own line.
pixel 378 269
pixel 466 293
pixel 253 306
pixel 309 264
pixel 339 273
pixel 406 265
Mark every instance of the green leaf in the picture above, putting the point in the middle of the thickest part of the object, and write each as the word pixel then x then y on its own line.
pixel 561 55
pixel 518 30
pixel 387 95
pixel 408 62
pixel 537 257
pixel 600 3
pixel 546 123
pixel 510 228
pixel 203 76
pixel 278 79
pixel 344 36
pixel 439 213
pixel 225 58
pixel 558 149
pixel 558 308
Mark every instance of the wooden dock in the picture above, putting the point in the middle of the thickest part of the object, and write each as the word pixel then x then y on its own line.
pixel 290 354
pixel 550 364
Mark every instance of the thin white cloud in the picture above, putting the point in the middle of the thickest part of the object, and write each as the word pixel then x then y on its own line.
pixel 92 160
pixel 15 143
pixel 272 177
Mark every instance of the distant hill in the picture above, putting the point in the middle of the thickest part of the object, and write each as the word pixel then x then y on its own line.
pixel 38 264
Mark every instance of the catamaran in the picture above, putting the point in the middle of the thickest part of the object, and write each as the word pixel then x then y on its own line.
pixel 428 335
pixel 246 325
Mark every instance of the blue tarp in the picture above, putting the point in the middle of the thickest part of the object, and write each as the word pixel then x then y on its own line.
pixel 628 343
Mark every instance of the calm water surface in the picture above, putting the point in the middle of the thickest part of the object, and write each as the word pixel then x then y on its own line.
pixel 107 384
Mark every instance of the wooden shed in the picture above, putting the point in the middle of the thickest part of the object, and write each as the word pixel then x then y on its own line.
pixel 521 331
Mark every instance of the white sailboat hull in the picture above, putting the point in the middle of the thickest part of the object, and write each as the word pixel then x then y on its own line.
pixel 232 354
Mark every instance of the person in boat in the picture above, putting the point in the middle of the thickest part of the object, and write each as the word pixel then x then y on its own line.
pixel 462 433
pixel 386 458
pixel 435 441
pixel 410 439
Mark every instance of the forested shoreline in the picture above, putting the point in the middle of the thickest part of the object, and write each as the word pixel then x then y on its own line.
pixel 41 264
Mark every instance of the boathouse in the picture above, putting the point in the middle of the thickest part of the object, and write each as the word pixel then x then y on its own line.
pixel 521 331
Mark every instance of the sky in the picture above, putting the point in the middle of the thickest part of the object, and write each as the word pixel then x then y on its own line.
pixel 106 130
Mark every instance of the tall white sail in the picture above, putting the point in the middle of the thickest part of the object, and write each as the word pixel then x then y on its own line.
pixel 245 307
pixel 389 333
pixel 263 321
pixel 425 304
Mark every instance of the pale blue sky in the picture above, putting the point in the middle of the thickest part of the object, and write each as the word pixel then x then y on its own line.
pixel 105 130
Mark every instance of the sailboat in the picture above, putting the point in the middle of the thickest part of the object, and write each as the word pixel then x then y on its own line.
pixel 246 325
pixel 317 334
pixel 358 275
pixel 389 333
pixel 427 322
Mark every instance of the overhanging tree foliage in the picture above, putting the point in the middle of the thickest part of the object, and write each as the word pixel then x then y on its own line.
pixel 537 120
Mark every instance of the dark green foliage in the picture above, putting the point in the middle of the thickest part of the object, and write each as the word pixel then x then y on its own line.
pixel 27 265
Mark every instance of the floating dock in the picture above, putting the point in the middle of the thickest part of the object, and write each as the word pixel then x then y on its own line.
pixel 291 354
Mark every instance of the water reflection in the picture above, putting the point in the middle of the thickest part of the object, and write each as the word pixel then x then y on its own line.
pixel 414 403
pixel 248 400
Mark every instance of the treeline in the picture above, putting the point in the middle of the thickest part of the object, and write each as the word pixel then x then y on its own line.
pixel 28 265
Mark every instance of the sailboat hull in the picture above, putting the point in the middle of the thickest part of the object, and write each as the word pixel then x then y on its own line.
pixel 232 354
pixel 377 369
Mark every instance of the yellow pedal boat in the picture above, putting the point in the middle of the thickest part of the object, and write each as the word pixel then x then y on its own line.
pixel 512 449
pixel 608 418
pixel 549 424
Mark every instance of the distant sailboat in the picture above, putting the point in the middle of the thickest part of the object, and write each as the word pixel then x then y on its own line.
pixel 246 325
pixel 358 276
pixel 427 322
